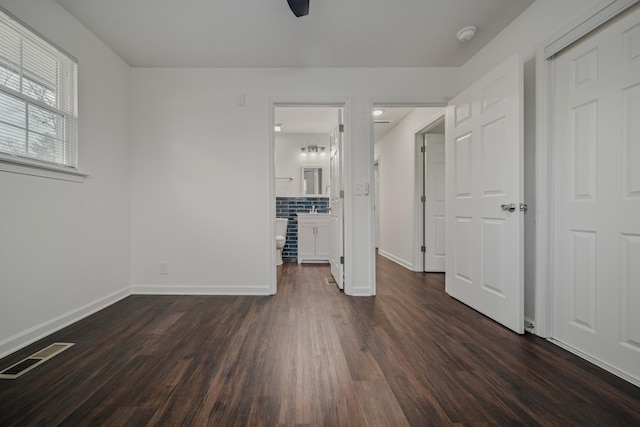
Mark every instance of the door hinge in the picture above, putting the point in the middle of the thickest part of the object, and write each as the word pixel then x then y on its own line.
pixel 342 260
pixel 423 199
pixel 422 150
pixel 342 194
pixel 340 128
pixel 423 249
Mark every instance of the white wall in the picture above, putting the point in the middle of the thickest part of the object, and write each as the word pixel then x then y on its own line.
pixel 289 161
pixel 202 192
pixel 65 247
pixel 396 153
pixel 539 22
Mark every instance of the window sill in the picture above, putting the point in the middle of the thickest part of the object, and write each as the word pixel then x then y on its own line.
pixel 44 170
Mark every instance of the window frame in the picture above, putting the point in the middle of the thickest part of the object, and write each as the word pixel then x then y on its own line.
pixel 23 164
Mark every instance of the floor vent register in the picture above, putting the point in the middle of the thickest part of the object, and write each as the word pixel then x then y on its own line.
pixel 25 365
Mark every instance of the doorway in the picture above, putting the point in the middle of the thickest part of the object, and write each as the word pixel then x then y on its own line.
pixel 399 178
pixel 308 176
pixel 432 198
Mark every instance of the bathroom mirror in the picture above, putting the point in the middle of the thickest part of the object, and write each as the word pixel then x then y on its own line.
pixel 312 181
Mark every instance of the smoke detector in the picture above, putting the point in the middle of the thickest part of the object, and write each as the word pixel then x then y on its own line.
pixel 466 34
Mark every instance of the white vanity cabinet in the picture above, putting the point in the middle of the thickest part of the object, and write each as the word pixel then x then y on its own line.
pixel 313 237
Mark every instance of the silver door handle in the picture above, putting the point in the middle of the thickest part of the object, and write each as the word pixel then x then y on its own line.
pixel 510 207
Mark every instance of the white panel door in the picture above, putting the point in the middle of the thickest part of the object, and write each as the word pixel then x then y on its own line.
pixel 336 240
pixel 484 176
pixel 435 224
pixel 597 195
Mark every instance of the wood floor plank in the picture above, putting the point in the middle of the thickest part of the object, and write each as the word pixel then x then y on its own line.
pixel 310 356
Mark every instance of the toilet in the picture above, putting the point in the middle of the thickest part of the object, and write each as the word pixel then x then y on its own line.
pixel 281 238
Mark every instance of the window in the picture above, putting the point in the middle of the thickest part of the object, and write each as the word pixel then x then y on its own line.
pixel 38 98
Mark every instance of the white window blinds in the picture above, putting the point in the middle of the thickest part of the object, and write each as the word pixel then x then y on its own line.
pixel 38 97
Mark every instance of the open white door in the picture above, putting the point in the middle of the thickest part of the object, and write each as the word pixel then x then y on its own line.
pixel 336 240
pixel 484 181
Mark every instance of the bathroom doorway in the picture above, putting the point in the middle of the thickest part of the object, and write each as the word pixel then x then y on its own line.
pixel 309 171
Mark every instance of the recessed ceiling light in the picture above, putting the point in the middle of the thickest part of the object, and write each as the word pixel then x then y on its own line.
pixel 378 113
pixel 278 127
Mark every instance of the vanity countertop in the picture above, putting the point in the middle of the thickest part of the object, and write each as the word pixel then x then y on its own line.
pixel 313 214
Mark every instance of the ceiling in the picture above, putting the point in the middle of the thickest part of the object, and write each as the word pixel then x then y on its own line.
pixel 264 33
pixel 389 119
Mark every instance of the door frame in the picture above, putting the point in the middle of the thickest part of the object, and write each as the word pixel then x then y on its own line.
pixel 302 102
pixel 418 255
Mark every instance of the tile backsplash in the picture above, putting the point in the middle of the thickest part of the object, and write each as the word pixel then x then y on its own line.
pixel 288 207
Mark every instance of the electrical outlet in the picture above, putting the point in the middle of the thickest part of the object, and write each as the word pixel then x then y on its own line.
pixel 164 268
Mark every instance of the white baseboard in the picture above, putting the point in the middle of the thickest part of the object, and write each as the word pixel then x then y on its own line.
pixel 31 335
pixel 199 290
pixel 633 380
pixel 395 259
pixel 361 292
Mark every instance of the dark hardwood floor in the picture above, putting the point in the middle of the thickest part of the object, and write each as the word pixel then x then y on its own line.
pixel 310 356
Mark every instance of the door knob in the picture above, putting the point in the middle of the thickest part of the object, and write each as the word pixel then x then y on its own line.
pixel 508 208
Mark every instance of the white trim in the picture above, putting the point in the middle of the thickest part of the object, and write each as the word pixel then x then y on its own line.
pixel 397 260
pixel 418 218
pixel 272 273
pixel 544 197
pixel 35 168
pixel 598 16
pixel 31 335
pixel 201 290
pixel 597 362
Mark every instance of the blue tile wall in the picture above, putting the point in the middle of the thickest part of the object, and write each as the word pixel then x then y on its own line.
pixel 288 207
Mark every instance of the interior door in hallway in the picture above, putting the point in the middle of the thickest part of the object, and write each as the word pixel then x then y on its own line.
pixel 597 195
pixel 434 203
pixel 484 189
pixel 336 237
